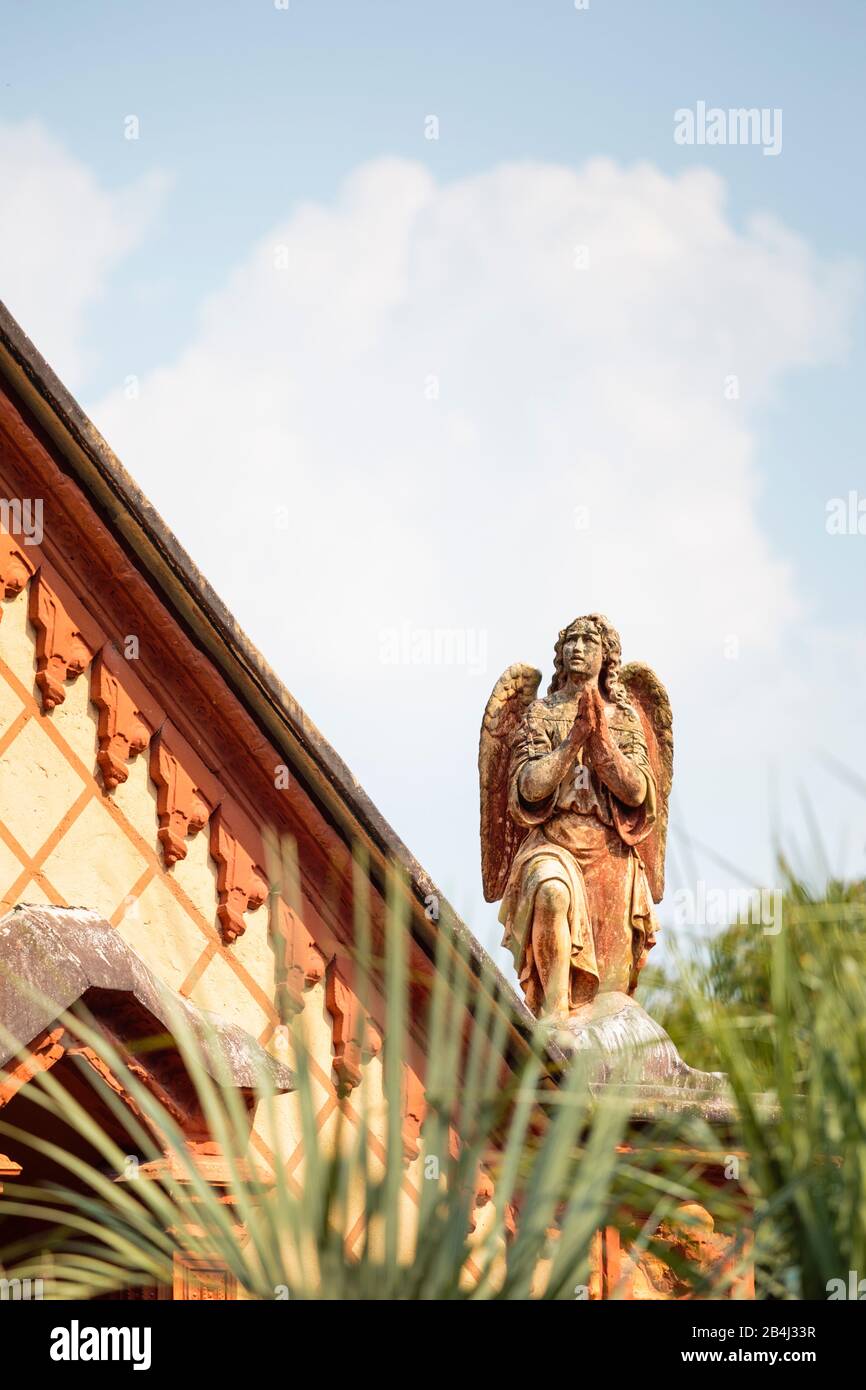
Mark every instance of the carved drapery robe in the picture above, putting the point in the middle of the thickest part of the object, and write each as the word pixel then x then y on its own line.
pixel 584 837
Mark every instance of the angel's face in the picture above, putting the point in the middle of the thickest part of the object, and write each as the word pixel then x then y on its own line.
pixel 582 654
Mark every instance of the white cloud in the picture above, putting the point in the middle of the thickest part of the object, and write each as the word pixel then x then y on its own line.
pixel 61 236
pixel 305 397
pixel 558 388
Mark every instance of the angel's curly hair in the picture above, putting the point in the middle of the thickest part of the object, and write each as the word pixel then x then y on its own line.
pixel 611 647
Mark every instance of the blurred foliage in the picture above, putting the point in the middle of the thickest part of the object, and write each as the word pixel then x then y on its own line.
pixel 822 931
pixel 494 1134
pixel 784 1015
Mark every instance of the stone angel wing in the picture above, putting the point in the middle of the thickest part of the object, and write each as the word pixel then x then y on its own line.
pixel 500 837
pixel 650 700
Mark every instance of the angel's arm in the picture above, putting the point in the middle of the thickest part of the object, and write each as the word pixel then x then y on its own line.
pixel 627 782
pixel 539 778
pixel 620 773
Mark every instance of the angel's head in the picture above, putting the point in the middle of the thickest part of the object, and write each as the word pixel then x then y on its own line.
pixel 590 647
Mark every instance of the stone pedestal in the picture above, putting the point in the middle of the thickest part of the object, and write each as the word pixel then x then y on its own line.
pixel 628 1055
pixel 620 1043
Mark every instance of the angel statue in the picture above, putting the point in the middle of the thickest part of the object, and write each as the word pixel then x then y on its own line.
pixel 574 813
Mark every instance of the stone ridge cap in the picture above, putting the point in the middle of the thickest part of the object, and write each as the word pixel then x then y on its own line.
pixel 171 571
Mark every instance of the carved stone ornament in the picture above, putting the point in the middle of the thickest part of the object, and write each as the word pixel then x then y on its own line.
pixel 355 1036
pixel 67 637
pixel 299 964
pixel 16 566
pixel 241 882
pixel 185 792
pixel 127 715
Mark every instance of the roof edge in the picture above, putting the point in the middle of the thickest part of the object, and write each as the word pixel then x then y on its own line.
pixel 181 584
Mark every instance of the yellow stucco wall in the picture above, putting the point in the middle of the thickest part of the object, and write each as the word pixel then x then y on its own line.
pixel 64 840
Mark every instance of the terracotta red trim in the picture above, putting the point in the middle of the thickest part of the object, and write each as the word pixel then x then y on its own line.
pixel 128 714
pixel 298 961
pixel 187 792
pixel 43 1053
pixel 324 776
pixel 355 1039
pixel 414 1109
pixel 241 882
pixel 121 603
pixel 67 636
pixel 17 564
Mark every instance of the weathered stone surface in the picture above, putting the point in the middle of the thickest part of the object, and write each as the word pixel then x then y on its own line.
pixel 52 956
pixel 623 1046
pixel 574 798
pixel 616 1032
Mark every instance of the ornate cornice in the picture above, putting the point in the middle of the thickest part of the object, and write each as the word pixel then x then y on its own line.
pixel 70 642
pixel 229 711
pixel 214 742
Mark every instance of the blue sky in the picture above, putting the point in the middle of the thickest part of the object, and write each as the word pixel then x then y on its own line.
pixel 250 109
pixel 250 114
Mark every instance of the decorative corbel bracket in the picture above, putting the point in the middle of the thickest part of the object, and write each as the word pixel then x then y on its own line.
pixel 16 566
pixel 414 1109
pixel 483 1195
pixel 299 962
pixel 186 792
pixel 66 636
pixel 241 883
pixel 356 1038
pixel 485 1192
pixel 127 715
